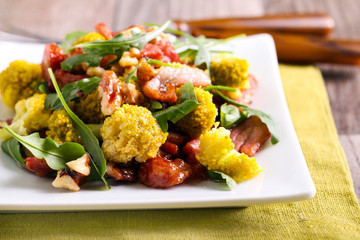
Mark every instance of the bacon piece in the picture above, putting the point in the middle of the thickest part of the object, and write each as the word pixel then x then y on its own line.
pixel 63 78
pixel 191 149
pixel 250 135
pixel 170 148
pixel 247 94
pixel 160 173
pixel 127 174
pixel 162 86
pixel 177 138
pixel 160 50
pixel 38 166
pixel 110 91
pixel 52 58
pixel 104 30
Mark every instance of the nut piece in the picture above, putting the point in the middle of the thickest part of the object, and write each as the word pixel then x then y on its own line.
pixel 65 181
pixel 81 165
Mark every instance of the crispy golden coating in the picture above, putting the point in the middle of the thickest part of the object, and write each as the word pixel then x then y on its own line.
pixel 30 116
pixel 89 109
pixel 61 128
pixel 18 80
pixel 230 71
pixel 202 118
pixel 217 153
pixel 131 132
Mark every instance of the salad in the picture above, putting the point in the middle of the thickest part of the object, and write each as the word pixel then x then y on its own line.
pixel 147 104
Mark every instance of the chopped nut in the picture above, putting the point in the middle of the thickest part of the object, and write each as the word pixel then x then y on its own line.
pixel 81 165
pixel 95 71
pixel 128 61
pixel 65 181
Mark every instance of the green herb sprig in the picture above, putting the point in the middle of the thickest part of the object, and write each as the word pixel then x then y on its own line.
pixel 55 155
pixel 174 113
pixel 222 178
pixel 12 148
pixel 90 141
pixel 267 119
pixel 70 92
pixel 95 51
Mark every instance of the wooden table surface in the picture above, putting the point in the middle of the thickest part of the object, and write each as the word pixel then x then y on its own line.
pixel 342 82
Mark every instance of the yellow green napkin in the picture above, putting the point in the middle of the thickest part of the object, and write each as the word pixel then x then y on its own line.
pixel 332 214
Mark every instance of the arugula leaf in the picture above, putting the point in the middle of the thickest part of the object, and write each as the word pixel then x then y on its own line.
pixel 267 119
pixel 157 62
pixel 230 115
pixel 70 92
pixel 131 75
pixel 55 155
pixel 222 178
pixel 12 148
pixel 175 113
pixel 96 50
pixel 91 143
pixel 219 87
pixel 188 92
pixel 42 87
pixel 50 100
pixel 155 105
pixel 70 38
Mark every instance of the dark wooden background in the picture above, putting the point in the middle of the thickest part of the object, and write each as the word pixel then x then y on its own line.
pixel 54 18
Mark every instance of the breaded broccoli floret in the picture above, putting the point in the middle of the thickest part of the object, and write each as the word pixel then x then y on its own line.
pixel 202 118
pixel 61 128
pixel 228 70
pixel 89 108
pixel 131 132
pixel 30 116
pixel 217 153
pixel 18 80
pixel 90 37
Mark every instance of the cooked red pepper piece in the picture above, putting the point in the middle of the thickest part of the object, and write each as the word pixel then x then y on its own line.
pixel 38 166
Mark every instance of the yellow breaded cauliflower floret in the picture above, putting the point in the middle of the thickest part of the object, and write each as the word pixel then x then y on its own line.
pixel 217 153
pixel 89 108
pixel 18 80
pixel 30 116
pixel 90 37
pixel 61 128
pixel 202 118
pixel 131 132
pixel 228 70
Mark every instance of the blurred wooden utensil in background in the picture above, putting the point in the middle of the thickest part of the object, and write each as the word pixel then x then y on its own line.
pixel 298 38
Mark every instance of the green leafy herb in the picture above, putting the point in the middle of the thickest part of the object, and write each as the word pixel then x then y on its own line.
pixel 155 105
pixel 268 120
pixel 157 62
pixel 221 177
pixel 219 87
pixel 70 38
pixel 12 148
pixel 90 141
pixel 96 50
pixel 175 113
pixel 131 75
pixel 70 92
pixel 230 116
pixel 95 129
pixel 42 87
pixel 55 155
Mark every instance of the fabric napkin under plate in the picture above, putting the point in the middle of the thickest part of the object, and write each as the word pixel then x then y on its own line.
pixel 333 214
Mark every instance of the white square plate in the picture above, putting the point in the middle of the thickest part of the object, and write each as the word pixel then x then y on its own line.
pixel 285 176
